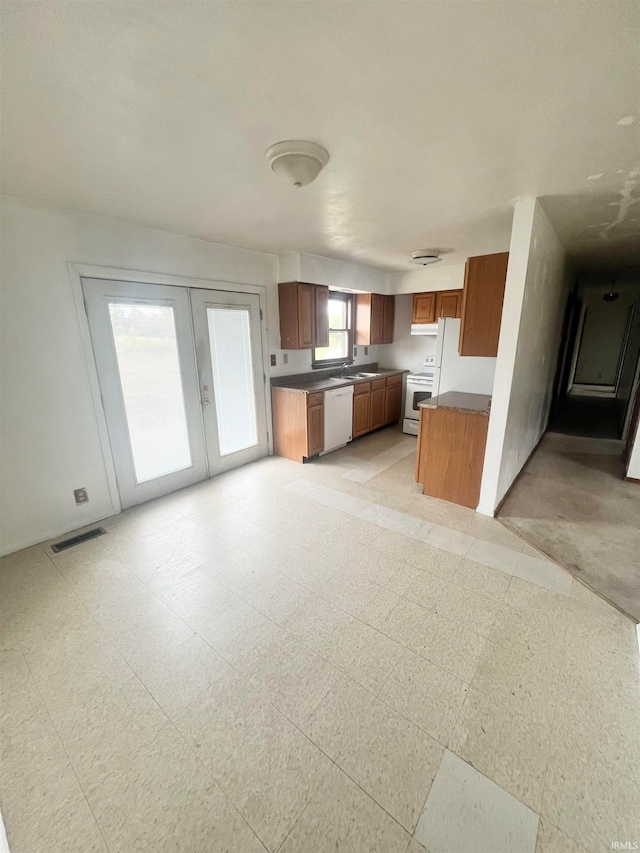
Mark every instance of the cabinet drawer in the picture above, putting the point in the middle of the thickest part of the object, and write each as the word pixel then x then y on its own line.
pixel 392 381
pixel 361 388
pixel 377 384
pixel 315 399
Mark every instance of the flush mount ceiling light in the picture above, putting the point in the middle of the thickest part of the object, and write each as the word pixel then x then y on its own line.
pixel 296 161
pixel 424 257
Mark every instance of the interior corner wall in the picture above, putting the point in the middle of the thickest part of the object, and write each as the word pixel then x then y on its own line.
pixel 49 436
pixel 534 302
pixel 633 466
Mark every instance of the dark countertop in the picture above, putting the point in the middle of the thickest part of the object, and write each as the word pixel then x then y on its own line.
pixel 460 401
pixel 310 383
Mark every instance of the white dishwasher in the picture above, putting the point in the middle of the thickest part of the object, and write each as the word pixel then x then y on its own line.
pixel 338 417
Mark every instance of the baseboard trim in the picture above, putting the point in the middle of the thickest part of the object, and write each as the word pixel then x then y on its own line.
pixel 483 510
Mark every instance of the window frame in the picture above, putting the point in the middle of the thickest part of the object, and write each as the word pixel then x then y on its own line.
pixel 348 298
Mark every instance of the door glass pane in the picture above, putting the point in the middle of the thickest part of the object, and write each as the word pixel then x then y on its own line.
pixel 230 343
pixel 149 367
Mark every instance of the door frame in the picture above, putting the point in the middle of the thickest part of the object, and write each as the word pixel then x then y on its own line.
pixel 79 271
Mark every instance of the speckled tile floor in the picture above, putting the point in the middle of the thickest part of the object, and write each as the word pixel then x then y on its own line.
pixel 287 659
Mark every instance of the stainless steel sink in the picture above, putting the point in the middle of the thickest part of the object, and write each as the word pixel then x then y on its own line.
pixel 353 376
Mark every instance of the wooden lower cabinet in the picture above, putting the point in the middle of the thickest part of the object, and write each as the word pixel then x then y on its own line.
pixel 393 399
pixel 393 404
pixel 298 417
pixel 450 459
pixel 377 405
pixel 361 409
pixel 298 423
pixel 315 429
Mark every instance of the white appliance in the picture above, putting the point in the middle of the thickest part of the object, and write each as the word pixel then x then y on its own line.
pixel 420 386
pixel 424 329
pixel 446 371
pixel 472 374
pixel 338 417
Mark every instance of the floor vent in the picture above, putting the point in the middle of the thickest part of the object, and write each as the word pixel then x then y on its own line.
pixel 76 540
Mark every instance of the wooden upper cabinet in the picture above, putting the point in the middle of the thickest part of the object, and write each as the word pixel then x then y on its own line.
pixel 374 319
pixel 389 314
pixel 304 321
pixel 306 316
pixel 424 308
pixel 484 280
pixel 429 307
pixel 448 303
pixel 321 315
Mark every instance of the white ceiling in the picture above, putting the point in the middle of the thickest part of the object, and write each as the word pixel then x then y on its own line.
pixel 437 115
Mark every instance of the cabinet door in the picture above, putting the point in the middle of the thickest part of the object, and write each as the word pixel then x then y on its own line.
pixel 392 404
pixel 321 316
pixel 448 303
pixel 306 315
pixel 388 318
pixel 377 409
pixel 482 298
pixel 377 318
pixel 361 414
pixel 424 308
pixel 315 430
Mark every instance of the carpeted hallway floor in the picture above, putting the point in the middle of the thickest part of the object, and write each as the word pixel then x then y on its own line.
pixel 573 504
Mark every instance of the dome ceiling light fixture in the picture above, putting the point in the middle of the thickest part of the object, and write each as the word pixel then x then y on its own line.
pixel 424 257
pixel 296 161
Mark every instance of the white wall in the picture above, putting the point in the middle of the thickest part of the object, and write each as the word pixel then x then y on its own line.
pixel 49 436
pixel 604 328
pixel 424 279
pixel 532 315
pixel 49 439
pixel 317 269
pixel 407 351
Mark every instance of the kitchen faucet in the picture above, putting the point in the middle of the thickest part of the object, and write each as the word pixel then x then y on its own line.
pixel 344 370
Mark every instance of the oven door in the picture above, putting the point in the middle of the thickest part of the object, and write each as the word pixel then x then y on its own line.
pixel 417 391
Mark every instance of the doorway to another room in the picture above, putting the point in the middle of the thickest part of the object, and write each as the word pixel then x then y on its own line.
pixel 181 379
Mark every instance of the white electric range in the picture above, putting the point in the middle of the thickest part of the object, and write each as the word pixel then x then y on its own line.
pixel 420 386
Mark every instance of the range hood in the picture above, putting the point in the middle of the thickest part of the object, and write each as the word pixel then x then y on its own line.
pixel 424 329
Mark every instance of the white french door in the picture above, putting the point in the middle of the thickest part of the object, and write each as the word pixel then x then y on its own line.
pixel 181 380
pixel 229 355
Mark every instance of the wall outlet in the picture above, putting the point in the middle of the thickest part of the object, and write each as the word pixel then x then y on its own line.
pixel 355 352
pixel 285 358
pixel 273 359
pixel 366 350
pixel 81 496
